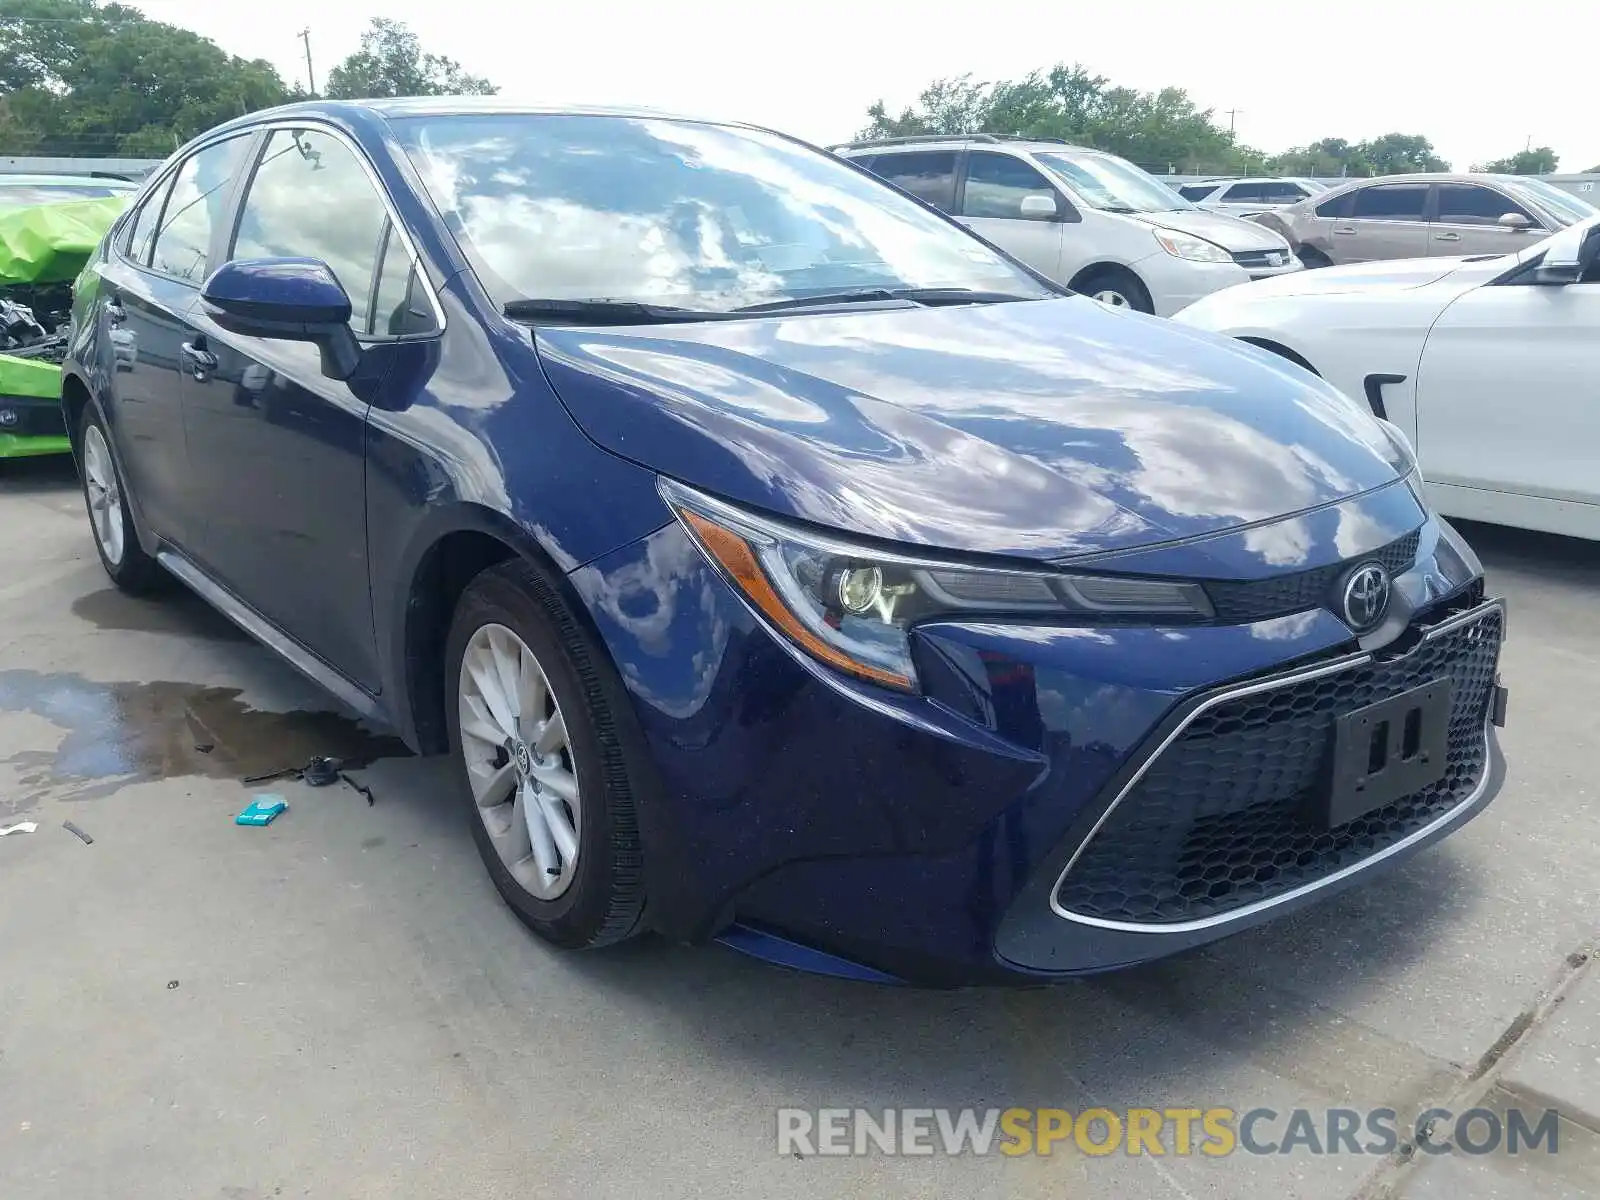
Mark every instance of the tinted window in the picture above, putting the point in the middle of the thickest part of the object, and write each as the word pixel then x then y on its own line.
pixel 703 216
pixel 194 209
pixel 1339 206
pixel 1245 193
pixel 996 184
pixel 144 224
pixel 311 198
pixel 1283 193
pixel 1391 202
pixel 1197 191
pixel 1470 204
pixel 399 306
pixel 928 175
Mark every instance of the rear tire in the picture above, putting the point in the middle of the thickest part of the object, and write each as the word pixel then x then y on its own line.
pixel 547 771
pixel 105 498
pixel 1115 288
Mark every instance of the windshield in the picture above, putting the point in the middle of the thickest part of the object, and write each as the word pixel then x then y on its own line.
pixel 1558 203
pixel 679 213
pixel 25 195
pixel 1114 184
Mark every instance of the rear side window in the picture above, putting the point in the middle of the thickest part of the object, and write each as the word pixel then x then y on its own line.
pixel 194 210
pixel 1245 193
pixel 1471 204
pixel 927 174
pixel 1197 191
pixel 312 198
pixel 1391 202
pixel 143 234
pixel 1283 193
pixel 996 184
pixel 1339 206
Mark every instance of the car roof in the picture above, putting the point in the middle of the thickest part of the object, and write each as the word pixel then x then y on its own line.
pixel 424 106
pixel 985 141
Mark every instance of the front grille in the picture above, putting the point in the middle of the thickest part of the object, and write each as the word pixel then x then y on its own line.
pixel 1218 822
pixel 1261 260
pixel 29 416
pixel 1281 595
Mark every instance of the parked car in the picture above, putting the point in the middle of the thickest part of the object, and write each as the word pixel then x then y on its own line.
pixel 1246 197
pixel 1487 363
pixel 1088 219
pixel 779 562
pixel 25 191
pixel 1413 216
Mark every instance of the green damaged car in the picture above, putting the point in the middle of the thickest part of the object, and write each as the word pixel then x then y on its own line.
pixel 42 250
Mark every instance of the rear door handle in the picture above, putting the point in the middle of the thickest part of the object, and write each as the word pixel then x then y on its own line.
pixel 201 362
pixel 1447 237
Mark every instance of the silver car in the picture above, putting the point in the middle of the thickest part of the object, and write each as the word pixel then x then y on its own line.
pixel 1247 197
pixel 1422 215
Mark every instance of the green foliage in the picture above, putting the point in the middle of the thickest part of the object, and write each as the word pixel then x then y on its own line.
pixel 1161 131
pixel 81 77
pixel 1539 160
pixel 391 62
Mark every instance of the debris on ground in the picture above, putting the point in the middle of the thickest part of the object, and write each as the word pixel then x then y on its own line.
pixel 318 772
pixel 77 833
pixel 20 827
pixel 262 810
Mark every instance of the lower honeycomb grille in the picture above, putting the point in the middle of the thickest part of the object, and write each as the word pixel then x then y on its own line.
pixel 1217 822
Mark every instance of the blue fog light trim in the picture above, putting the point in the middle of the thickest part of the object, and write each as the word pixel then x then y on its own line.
pixel 771 948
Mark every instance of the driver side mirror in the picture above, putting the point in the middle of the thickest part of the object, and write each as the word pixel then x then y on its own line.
pixel 1513 221
pixel 288 299
pixel 1037 206
pixel 1569 256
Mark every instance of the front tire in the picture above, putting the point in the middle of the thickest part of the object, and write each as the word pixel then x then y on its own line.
pixel 548 772
pixel 1115 288
pixel 105 497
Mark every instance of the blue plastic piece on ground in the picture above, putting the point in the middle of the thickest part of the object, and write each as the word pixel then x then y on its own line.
pixel 262 811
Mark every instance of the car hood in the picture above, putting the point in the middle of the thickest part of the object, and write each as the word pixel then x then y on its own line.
pixel 1390 275
pixel 1043 429
pixel 1230 233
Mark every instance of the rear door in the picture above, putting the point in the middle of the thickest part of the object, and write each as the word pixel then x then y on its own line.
pixel 927 174
pixel 991 202
pixel 150 284
pixel 1466 221
pixel 1387 220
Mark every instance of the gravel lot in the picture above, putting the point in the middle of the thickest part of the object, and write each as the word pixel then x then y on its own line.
pixel 339 1006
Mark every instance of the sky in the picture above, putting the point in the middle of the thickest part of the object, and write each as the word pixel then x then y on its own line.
pixel 1479 86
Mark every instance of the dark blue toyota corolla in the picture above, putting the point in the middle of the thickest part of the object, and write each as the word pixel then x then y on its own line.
pixel 781 563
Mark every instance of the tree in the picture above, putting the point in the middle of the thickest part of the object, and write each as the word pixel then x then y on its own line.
pixel 391 62
pixel 81 77
pixel 1539 160
pixel 1397 153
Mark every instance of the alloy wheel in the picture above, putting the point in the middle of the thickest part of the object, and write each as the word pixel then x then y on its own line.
pixel 105 496
pixel 519 763
pixel 1112 298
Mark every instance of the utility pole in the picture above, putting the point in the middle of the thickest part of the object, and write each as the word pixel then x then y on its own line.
pixel 311 79
pixel 1232 113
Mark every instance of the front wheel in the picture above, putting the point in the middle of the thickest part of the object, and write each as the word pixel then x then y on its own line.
pixel 105 496
pixel 550 775
pixel 1115 288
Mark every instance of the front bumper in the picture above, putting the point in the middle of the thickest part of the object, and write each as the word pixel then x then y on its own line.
pixel 31 425
pixel 928 837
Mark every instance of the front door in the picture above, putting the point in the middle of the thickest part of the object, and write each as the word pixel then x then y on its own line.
pixel 992 204
pixel 278 448
pixel 1506 393
pixel 1386 221
pixel 1467 221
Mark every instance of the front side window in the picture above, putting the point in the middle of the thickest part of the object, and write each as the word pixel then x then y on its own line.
pixel 312 198
pixel 1338 207
pixel 1391 202
pixel 996 184
pixel 928 175
pixel 194 210
pixel 681 213
pixel 1283 193
pixel 1471 204
pixel 1110 183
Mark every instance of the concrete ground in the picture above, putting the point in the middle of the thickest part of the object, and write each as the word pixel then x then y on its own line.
pixel 339 1006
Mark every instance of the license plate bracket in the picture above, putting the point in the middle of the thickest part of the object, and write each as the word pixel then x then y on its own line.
pixel 1385 751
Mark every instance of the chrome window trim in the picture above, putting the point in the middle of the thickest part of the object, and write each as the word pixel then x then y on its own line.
pixel 1258 906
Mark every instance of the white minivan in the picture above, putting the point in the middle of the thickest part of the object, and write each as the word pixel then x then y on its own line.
pixel 1085 218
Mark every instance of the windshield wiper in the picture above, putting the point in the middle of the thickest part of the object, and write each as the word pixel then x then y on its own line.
pixel 604 312
pixel 931 296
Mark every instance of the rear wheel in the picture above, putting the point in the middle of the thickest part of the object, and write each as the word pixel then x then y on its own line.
pixel 548 772
pixel 1115 288
pixel 105 496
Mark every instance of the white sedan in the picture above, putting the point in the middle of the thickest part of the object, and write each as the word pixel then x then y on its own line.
pixel 1491 365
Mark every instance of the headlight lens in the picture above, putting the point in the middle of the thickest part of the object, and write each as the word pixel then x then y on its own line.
pixel 853 606
pixel 1194 249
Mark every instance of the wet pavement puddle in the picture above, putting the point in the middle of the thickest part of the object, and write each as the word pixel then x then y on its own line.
pixel 119 734
pixel 178 611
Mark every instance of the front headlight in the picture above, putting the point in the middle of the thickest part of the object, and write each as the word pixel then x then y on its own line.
pixel 1404 459
pixel 1187 246
pixel 853 606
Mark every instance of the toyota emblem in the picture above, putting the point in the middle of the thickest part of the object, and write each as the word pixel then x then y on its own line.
pixel 1366 596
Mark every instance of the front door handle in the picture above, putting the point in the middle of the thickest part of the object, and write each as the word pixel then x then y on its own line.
pixel 1447 237
pixel 1344 229
pixel 200 361
pixel 115 313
